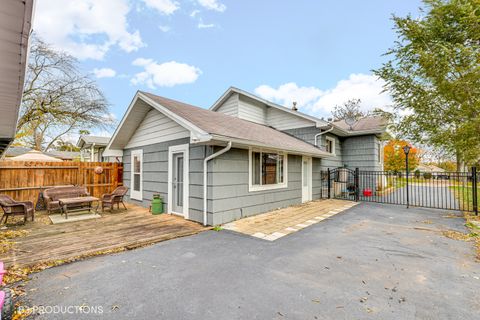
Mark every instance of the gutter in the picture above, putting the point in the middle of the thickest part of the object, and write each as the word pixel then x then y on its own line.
pixel 205 175
pixel 322 133
pixel 249 143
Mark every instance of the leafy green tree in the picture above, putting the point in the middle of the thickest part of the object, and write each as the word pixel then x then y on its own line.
pixel 433 76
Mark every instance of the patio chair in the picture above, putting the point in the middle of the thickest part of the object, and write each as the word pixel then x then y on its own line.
pixel 116 197
pixel 16 208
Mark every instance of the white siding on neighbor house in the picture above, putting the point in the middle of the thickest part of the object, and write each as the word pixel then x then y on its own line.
pixel 230 106
pixel 156 128
pixel 251 110
pixel 282 120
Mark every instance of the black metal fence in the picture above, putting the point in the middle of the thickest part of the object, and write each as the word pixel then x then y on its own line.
pixel 440 190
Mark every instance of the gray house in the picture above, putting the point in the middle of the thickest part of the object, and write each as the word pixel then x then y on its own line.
pixel 244 156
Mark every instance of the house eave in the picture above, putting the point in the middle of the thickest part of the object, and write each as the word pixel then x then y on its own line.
pixel 245 144
pixel 351 133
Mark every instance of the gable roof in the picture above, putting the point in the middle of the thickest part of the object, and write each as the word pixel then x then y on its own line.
pixel 319 122
pixel 210 127
pixel 88 140
pixel 367 125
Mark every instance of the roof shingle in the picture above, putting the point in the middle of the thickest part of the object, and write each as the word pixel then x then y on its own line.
pixel 220 124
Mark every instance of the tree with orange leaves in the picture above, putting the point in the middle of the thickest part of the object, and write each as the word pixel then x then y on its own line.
pixel 394 157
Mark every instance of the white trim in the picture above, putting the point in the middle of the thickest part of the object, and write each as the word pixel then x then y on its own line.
pixel 308 196
pixel 186 182
pixel 137 195
pixel 333 153
pixel 252 187
pixel 196 134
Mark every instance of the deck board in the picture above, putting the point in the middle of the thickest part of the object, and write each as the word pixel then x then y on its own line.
pixel 121 229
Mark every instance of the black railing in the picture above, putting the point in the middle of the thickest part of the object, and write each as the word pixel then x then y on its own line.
pixel 440 190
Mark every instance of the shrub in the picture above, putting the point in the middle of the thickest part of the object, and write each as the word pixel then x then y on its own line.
pixel 417 173
pixel 427 175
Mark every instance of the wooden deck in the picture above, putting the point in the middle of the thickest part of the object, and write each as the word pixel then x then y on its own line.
pixel 113 231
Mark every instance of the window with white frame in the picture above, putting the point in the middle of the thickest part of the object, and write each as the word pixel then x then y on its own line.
pixel 330 145
pixel 268 170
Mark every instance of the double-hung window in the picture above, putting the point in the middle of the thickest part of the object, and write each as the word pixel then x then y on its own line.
pixel 268 170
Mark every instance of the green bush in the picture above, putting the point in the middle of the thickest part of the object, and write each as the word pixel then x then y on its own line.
pixel 417 173
pixel 427 175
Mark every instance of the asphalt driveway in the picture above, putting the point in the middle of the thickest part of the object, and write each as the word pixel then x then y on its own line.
pixel 370 262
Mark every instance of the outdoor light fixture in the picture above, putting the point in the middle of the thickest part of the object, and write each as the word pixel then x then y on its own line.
pixel 406 149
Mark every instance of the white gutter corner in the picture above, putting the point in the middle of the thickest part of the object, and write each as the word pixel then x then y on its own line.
pixel 321 133
pixel 205 175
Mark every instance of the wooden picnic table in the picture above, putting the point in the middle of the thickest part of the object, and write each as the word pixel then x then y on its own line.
pixel 78 203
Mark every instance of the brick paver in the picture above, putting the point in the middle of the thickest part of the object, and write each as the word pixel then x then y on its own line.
pixel 279 223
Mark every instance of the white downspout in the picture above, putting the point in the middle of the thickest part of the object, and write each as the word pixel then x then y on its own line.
pixel 319 134
pixel 205 175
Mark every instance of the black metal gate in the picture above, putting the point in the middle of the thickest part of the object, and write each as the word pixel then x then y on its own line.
pixel 440 190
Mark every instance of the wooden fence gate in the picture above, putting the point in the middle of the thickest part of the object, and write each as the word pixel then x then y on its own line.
pixel 25 180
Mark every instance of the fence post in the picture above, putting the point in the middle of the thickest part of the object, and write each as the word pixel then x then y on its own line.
pixel 328 183
pixel 475 190
pixel 357 184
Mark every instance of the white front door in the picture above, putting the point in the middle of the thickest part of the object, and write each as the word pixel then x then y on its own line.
pixel 178 184
pixel 306 179
pixel 136 178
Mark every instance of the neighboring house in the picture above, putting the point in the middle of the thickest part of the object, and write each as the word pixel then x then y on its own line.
pixel 93 147
pixel 15 30
pixel 244 156
pixel 429 168
pixel 62 155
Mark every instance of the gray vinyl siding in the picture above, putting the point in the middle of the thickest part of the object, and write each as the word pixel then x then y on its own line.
pixel 231 198
pixel 156 128
pixel 230 106
pixel 308 135
pixel 251 110
pixel 282 120
pixel 362 152
pixel 316 178
pixel 155 175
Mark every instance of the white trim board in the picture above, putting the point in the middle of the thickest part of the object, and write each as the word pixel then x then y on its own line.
pixel 136 195
pixel 253 188
pixel 186 182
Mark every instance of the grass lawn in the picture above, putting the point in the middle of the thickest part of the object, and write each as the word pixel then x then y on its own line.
pixel 465 196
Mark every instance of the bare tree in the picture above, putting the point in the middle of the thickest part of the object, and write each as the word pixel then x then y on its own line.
pixel 349 109
pixel 57 99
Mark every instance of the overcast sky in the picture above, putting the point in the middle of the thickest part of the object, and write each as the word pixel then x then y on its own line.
pixel 318 53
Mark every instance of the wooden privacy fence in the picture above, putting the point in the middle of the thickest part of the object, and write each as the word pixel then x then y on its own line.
pixel 24 180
